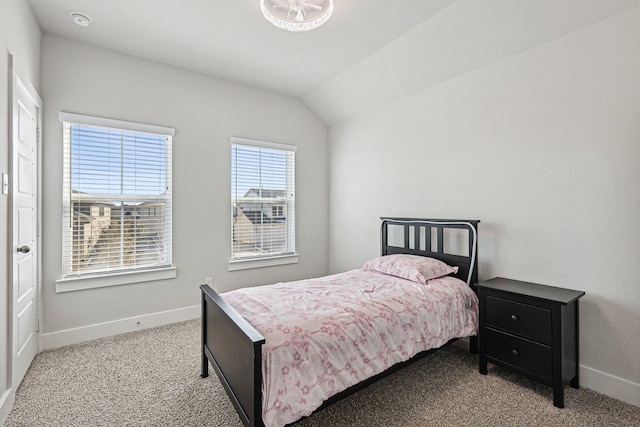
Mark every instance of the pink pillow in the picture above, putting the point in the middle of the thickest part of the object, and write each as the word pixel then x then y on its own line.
pixel 411 267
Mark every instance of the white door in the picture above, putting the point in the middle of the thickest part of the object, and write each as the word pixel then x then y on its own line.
pixel 24 210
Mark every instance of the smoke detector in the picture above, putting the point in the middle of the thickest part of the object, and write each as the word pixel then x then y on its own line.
pixel 81 19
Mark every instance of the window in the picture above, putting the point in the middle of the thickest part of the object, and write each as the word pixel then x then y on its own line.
pixel 263 202
pixel 277 211
pixel 117 197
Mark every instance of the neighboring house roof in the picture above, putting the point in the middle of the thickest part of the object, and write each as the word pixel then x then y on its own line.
pixel 140 243
pixel 266 193
pixel 91 202
pixel 257 218
pixel 151 204
pixel 82 217
pixel 94 201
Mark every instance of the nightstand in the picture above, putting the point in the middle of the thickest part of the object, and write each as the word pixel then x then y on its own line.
pixel 531 329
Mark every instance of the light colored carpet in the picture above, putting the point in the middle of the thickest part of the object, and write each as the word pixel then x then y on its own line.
pixel 152 378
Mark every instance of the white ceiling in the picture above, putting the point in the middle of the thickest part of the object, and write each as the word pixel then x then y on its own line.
pixel 231 39
pixel 370 53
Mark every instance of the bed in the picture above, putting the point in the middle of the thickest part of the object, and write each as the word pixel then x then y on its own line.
pixel 286 350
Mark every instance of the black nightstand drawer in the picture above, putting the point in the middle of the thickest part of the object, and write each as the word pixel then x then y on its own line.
pixel 520 353
pixel 532 329
pixel 521 319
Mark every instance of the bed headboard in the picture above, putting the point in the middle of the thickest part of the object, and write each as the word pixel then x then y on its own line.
pixel 454 242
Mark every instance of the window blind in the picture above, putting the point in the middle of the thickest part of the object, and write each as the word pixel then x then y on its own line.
pixel 262 199
pixel 117 197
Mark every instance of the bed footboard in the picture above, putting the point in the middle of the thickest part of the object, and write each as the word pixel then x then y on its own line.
pixel 234 349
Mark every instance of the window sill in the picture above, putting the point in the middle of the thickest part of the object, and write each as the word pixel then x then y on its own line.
pixel 246 264
pixel 125 278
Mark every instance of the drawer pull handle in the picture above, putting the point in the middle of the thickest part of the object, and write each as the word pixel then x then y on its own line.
pixel 514 317
pixel 514 352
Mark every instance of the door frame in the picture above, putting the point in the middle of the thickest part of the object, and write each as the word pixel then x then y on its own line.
pixel 17 78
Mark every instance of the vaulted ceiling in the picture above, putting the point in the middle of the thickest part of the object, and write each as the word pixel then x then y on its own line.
pixel 371 52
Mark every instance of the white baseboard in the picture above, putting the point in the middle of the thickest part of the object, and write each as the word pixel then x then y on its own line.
pixel 610 385
pixel 6 403
pixel 115 327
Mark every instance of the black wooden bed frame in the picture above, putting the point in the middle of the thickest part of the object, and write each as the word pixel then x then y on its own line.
pixel 234 347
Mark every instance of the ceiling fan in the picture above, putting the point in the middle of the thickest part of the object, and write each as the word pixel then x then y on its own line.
pixel 297 15
pixel 298 7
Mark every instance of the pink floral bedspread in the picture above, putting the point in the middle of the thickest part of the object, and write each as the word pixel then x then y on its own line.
pixel 324 335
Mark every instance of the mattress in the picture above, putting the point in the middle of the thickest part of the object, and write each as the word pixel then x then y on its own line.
pixel 326 334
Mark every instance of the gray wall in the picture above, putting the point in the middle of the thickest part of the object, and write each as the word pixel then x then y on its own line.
pixel 543 147
pixel 20 36
pixel 205 112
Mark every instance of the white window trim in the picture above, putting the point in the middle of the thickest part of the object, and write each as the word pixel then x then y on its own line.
pixel 114 279
pixel 267 261
pixel 246 264
pixel 263 144
pixel 92 281
pixel 111 123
